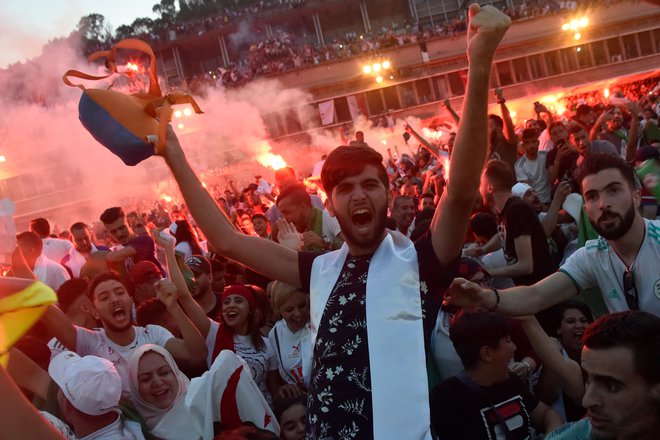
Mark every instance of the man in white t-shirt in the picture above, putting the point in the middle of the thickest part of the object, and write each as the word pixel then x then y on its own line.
pixel 89 394
pixel 624 262
pixel 530 167
pixel 54 248
pixel 47 271
pixel 118 337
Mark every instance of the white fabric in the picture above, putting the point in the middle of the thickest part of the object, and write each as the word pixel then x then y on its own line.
pixel 294 357
pixel 95 342
pixel 331 228
pixel 7 230
pixel 597 265
pixel 50 273
pixel 56 248
pixel 205 393
pixel 327 112
pixel 353 107
pixel 120 429
pixel 261 362
pixel 545 142
pixel 77 260
pixel 169 423
pixel 185 249
pixel 535 174
pixel 395 333
pixel 446 359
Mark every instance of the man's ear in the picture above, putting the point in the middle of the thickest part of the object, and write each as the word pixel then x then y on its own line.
pixel 485 354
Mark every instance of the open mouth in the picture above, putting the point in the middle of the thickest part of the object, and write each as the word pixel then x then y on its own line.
pixel 361 217
pixel 118 313
pixel 232 315
pixel 160 394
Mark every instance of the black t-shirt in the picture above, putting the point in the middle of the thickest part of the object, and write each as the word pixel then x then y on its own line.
pixel 517 219
pixel 566 166
pixel 460 413
pixel 145 250
pixel 339 398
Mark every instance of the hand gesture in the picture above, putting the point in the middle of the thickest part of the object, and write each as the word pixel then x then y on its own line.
pixel 162 240
pixel 519 369
pixel 499 95
pixel 563 190
pixel 166 292
pixel 464 293
pixel 446 102
pixel 562 152
pixel 310 238
pixel 485 31
pixel 289 391
pixel 287 235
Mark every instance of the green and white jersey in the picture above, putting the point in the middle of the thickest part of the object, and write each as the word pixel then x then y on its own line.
pixel 597 265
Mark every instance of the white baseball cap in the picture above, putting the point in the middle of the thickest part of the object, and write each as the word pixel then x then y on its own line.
pixel 90 383
pixel 519 189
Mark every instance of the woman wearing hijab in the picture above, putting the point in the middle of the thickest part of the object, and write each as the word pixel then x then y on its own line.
pixel 175 408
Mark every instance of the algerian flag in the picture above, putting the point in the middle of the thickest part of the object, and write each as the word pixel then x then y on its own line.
pixel 22 302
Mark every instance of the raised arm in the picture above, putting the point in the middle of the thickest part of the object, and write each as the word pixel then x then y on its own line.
pixel 486 29
pixel 551 218
pixel 423 142
pixel 60 326
pixel 190 307
pixel 17 415
pixel 451 111
pixel 516 301
pixel 192 345
pixel 509 128
pixel 264 256
pixel 567 372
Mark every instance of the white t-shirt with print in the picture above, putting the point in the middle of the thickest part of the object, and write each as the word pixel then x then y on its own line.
pixel 597 265
pixel 535 174
pixel 289 354
pixel 260 362
pixel 95 342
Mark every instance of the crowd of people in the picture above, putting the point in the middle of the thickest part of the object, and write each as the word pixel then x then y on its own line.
pixel 285 51
pixel 504 286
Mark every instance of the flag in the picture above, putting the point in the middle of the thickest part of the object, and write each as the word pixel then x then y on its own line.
pixel 22 302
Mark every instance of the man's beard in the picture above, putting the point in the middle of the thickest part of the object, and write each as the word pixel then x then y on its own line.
pixel 115 328
pixel 373 239
pixel 618 231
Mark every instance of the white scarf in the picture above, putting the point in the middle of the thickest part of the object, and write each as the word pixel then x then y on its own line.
pixel 395 332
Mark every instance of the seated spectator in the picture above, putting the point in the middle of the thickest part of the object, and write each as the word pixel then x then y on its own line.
pixel 486 401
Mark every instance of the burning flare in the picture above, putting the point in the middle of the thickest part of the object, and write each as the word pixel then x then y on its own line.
pixel 266 158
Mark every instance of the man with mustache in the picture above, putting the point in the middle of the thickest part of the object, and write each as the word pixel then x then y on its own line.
pixel 624 262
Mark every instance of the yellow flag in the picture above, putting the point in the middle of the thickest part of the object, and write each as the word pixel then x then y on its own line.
pixel 22 302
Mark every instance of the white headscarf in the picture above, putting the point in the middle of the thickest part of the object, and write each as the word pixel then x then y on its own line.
pixel 169 423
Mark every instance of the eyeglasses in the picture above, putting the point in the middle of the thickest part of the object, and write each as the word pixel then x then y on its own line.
pixel 629 290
